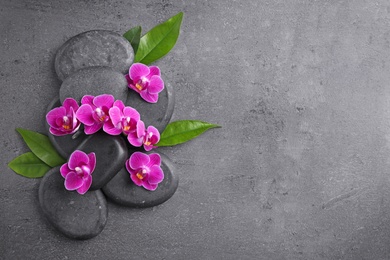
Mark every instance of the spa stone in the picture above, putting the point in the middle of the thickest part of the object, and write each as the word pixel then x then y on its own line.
pixel 93 48
pixel 94 81
pixel 76 216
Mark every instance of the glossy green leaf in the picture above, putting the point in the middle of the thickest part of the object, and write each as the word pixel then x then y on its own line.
pixel 29 165
pixel 41 146
pixel 182 131
pixel 159 40
pixel 133 36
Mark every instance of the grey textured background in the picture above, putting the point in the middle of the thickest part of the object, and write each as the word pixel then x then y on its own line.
pixel 300 169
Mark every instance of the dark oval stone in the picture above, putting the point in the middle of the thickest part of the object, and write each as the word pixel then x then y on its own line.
pixel 123 191
pixel 94 48
pixel 158 114
pixel 66 144
pixel 111 155
pixel 94 81
pixel 76 216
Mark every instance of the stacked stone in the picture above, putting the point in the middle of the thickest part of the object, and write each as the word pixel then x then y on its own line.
pixel 94 63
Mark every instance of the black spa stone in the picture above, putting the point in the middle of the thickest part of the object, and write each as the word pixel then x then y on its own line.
pixel 94 48
pixel 158 114
pixel 111 155
pixel 66 144
pixel 123 191
pixel 76 216
pixel 94 81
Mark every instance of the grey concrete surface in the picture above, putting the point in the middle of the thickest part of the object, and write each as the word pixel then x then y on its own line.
pixel 300 169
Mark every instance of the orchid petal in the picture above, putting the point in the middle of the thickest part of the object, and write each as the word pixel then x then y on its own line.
pixel 73 181
pixel 148 97
pixel 129 81
pixel 128 168
pixel 140 129
pixel 148 147
pixel 104 100
pixel 56 132
pixel 134 140
pixel 119 103
pixel 110 128
pixel 154 71
pixel 156 175
pixel 92 161
pixel 70 103
pixel 138 160
pixel 132 113
pixel 116 115
pixel 138 70
pixel 149 186
pixel 54 114
pixel 87 100
pixel 92 128
pixel 155 159
pixel 86 185
pixel 156 85
pixel 64 170
pixel 77 158
pixel 85 114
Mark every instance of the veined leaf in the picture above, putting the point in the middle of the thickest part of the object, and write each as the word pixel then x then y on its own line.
pixel 182 131
pixel 29 165
pixel 133 36
pixel 159 40
pixel 41 146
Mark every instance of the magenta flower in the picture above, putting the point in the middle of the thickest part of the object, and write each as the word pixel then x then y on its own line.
pixel 123 119
pixel 94 112
pixel 63 120
pixel 146 81
pixel 77 172
pixel 145 170
pixel 146 137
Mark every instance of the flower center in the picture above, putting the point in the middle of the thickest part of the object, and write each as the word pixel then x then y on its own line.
pixel 78 170
pixel 126 126
pixel 100 114
pixel 141 84
pixel 66 123
pixel 82 171
pixel 147 139
pixel 141 174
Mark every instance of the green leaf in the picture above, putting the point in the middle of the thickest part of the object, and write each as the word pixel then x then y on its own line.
pixel 29 165
pixel 182 131
pixel 159 40
pixel 41 146
pixel 133 36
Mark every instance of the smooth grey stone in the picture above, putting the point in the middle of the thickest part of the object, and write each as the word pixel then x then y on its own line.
pixel 122 190
pixel 158 114
pixel 111 155
pixel 76 216
pixel 94 81
pixel 94 48
pixel 66 144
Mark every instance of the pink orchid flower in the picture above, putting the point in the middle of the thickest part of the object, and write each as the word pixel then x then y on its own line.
pixel 146 137
pixel 94 112
pixel 145 170
pixel 77 171
pixel 123 119
pixel 146 81
pixel 63 120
